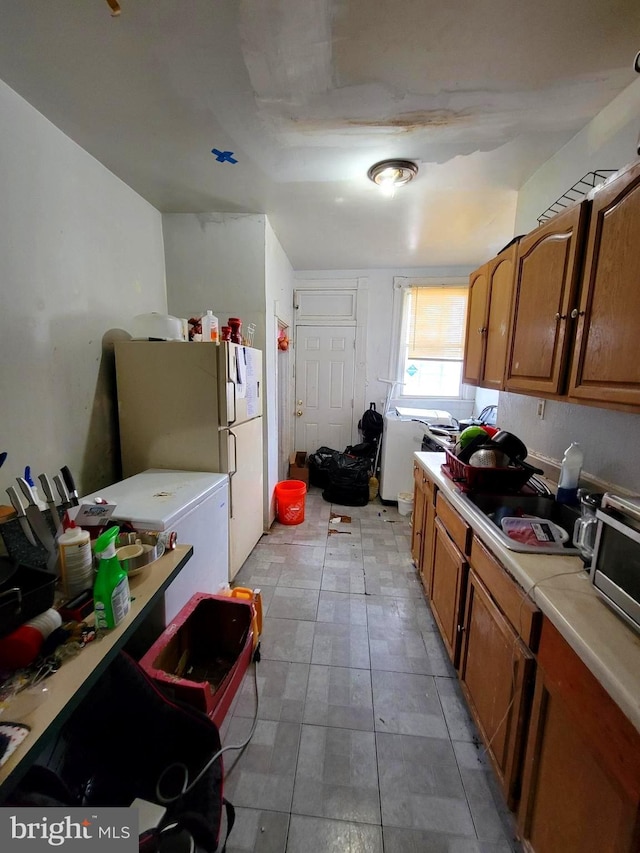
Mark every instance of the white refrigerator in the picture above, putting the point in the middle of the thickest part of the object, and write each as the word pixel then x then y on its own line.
pixel 197 407
pixel 196 506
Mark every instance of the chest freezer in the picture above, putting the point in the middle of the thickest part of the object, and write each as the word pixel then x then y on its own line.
pixel 195 505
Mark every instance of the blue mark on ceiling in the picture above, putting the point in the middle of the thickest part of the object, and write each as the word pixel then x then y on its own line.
pixel 224 156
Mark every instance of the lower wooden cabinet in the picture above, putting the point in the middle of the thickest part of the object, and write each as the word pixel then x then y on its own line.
pixel 496 674
pixel 581 784
pixel 422 539
pixel 448 585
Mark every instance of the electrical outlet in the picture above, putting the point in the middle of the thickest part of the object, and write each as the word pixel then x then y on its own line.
pixel 540 409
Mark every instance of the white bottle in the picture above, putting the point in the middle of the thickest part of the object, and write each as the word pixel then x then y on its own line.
pixel 76 561
pixel 570 474
pixel 210 327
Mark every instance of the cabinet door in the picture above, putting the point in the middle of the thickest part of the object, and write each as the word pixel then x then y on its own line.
pixel 428 542
pixel 547 270
pixel 496 671
pixel 474 344
pixel 606 366
pixel 448 585
pixel 417 523
pixel 581 783
pixel 501 279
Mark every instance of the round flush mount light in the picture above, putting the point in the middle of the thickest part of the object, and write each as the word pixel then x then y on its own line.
pixel 392 173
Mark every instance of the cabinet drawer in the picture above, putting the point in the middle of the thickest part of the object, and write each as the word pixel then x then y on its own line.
pixel 512 600
pixel 456 526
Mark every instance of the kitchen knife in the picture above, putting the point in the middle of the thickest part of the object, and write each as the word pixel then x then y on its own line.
pixel 62 489
pixel 47 488
pixel 71 486
pixel 38 524
pixel 16 503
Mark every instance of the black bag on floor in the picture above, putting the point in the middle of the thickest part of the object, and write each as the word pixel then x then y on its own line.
pixel 348 480
pixel 319 466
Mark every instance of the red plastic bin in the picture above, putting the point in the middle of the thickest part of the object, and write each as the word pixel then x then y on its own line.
pixel 469 478
pixel 201 657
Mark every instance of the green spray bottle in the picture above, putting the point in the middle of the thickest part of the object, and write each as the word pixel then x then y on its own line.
pixel 111 596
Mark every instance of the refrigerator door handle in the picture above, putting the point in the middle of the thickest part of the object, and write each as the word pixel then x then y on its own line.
pixel 235 469
pixel 232 396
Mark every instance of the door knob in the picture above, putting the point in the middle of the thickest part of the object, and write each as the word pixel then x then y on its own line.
pixel 299 413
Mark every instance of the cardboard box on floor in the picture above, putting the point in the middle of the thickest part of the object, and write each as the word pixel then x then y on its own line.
pixel 299 466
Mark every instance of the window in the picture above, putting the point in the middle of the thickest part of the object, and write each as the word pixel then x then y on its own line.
pixel 431 345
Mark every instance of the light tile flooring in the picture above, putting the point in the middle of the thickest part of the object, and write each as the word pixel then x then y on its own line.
pixel 363 741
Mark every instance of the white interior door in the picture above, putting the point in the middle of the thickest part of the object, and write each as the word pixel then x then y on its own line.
pixel 324 365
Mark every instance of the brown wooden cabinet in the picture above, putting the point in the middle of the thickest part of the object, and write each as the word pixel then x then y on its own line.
pixel 606 367
pixel 422 532
pixel 496 664
pixel 488 318
pixel 449 574
pixel 581 785
pixel 546 282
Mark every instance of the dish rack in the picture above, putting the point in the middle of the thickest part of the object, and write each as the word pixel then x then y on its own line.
pixel 469 478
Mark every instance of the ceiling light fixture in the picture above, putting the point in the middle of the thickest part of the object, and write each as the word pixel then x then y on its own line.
pixel 389 174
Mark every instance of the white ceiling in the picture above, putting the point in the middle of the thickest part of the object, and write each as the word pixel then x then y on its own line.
pixel 307 94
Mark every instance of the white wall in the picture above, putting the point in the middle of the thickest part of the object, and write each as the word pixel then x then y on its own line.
pixel 609 438
pixel 279 306
pixel 81 254
pixel 379 327
pixel 233 264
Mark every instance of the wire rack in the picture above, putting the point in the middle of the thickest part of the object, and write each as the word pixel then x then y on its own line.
pixel 576 192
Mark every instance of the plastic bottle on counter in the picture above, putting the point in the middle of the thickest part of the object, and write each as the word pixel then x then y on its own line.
pixel 570 470
pixel 235 323
pixel 111 595
pixel 22 646
pixel 76 560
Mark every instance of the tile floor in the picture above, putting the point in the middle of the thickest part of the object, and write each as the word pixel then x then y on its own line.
pixel 363 742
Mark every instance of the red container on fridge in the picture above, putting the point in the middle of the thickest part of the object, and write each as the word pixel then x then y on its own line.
pixel 236 329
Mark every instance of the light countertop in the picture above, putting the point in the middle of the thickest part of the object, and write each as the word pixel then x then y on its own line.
pixel 563 591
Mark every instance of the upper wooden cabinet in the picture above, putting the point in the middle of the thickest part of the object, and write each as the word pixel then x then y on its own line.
pixel 605 366
pixel 546 282
pixel 488 313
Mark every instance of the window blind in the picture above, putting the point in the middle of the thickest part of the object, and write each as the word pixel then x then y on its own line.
pixel 437 322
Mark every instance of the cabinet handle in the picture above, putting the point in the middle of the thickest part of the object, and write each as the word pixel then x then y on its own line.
pixel 460 629
pixel 560 316
pixel 482 330
pixel 575 313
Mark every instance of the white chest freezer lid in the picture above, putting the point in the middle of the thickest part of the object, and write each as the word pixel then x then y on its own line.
pixel 157 499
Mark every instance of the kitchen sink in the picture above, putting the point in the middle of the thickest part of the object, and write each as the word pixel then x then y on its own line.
pixel 533 505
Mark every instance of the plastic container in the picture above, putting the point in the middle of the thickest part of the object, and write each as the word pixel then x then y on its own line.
pixel 76 560
pixel 210 328
pixel 22 647
pixel 158 327
pixel 405 503
pixel 202 655
pixel 537 532
pixel 111 595
pixel 235 323
pixel 570 474
pixel 290 500
pixel 495 480
pixel 226 333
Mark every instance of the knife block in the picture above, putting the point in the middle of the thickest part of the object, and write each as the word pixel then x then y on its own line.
pixel 18 546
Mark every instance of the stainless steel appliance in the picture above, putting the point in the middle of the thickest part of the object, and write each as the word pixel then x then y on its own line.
pixel 615 568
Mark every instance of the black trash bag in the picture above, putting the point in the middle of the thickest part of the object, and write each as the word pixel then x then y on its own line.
pixel 318 466
pixel 365 450
pixel 348 480
pixel 371 424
